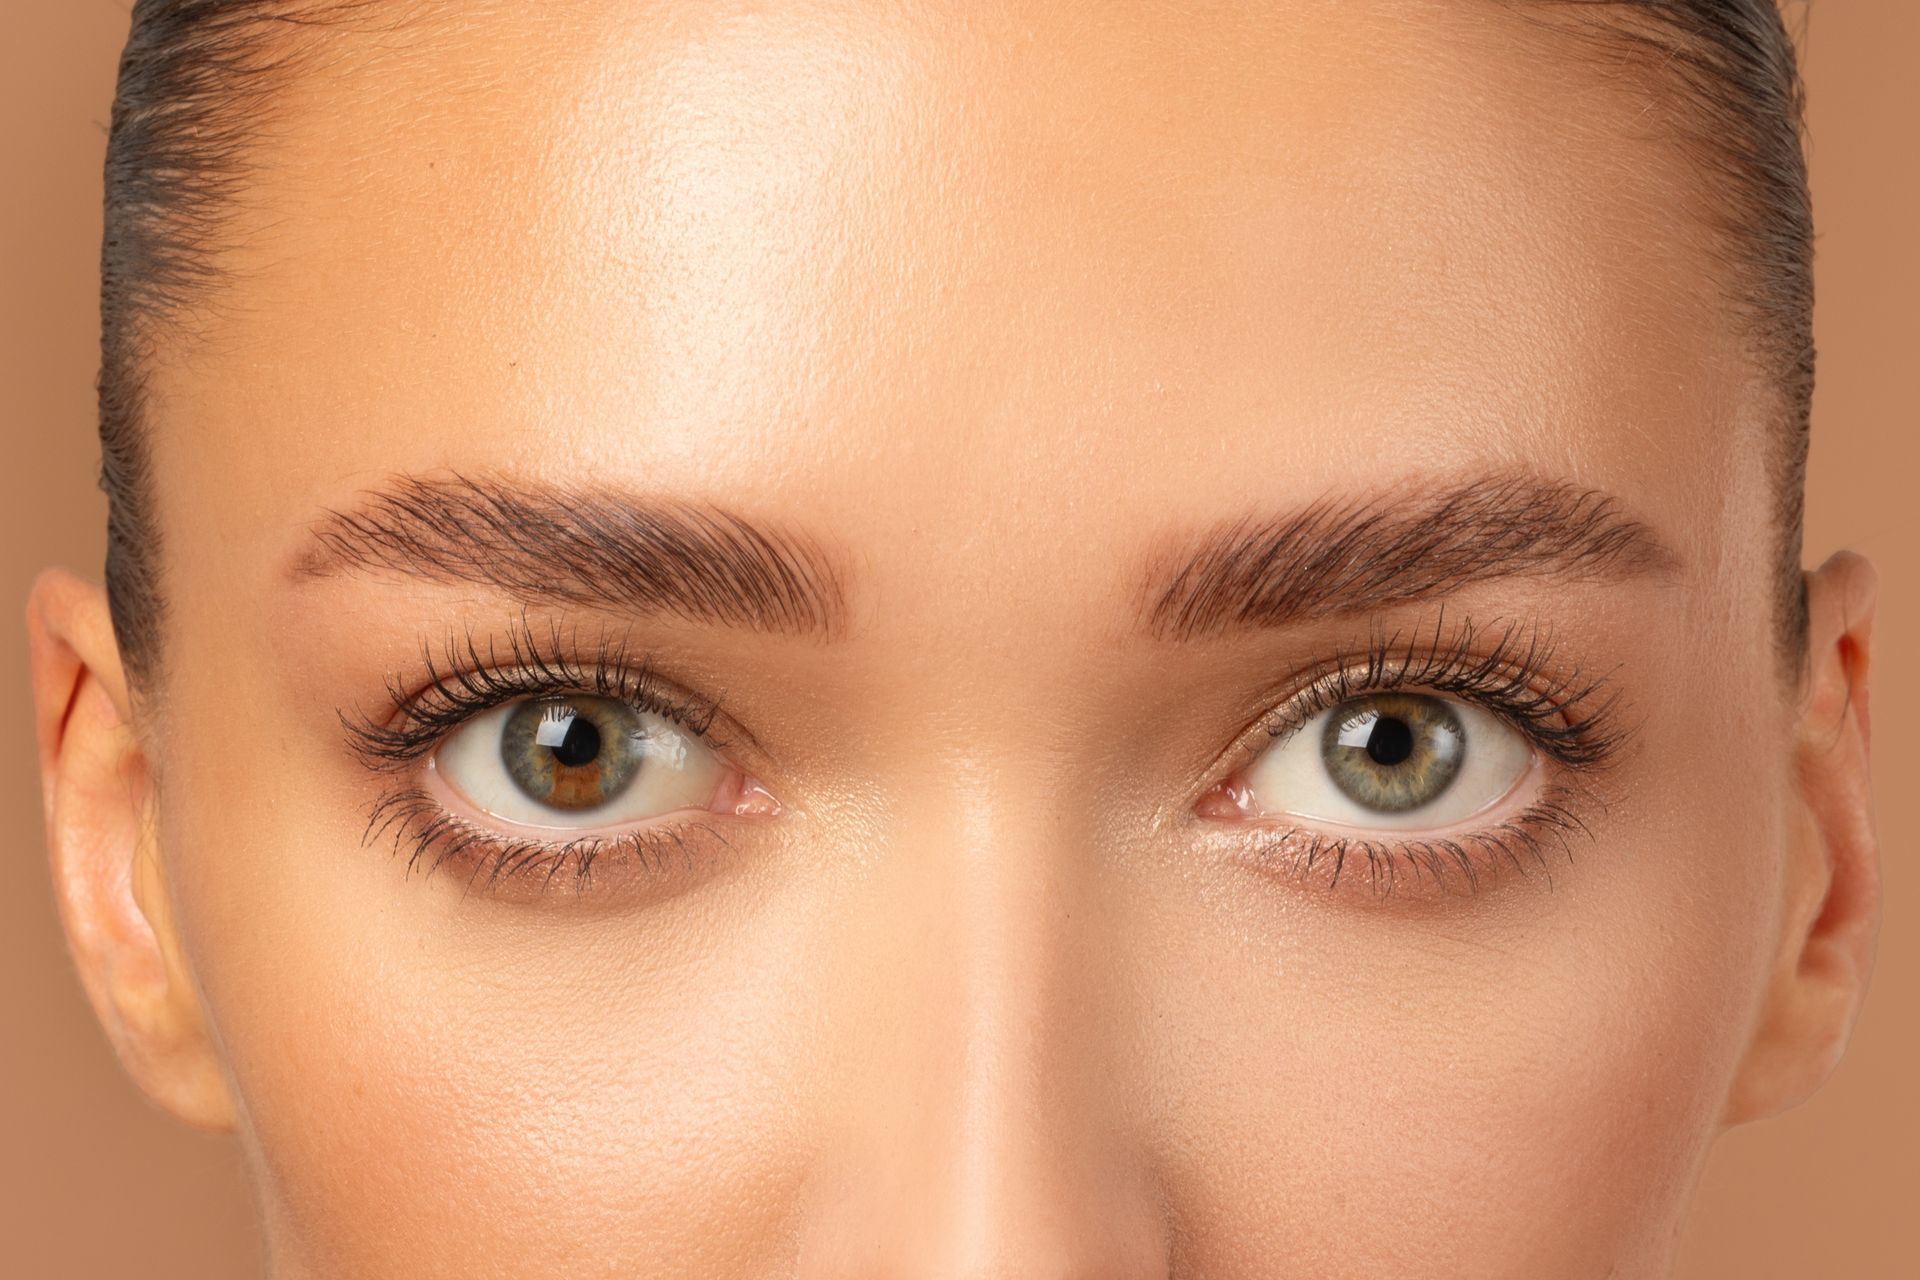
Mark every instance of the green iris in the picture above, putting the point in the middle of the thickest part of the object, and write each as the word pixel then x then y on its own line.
pixel 1391 752
pixel 572 753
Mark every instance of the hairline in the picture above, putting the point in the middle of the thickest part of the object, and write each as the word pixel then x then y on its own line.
pixel 165 221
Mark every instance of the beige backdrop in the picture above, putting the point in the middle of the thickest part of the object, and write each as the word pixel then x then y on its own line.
pixel 95 1183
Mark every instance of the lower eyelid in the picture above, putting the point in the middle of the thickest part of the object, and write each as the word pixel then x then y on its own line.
pixel 436 840
pixel 1530 844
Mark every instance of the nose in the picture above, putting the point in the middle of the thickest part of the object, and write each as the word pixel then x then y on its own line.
pixel 987 1125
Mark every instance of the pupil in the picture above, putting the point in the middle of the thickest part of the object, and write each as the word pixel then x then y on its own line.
pixel 1391 741
pixel 581 744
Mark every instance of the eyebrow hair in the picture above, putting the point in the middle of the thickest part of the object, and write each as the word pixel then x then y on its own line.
pixel 539 542
pixel 1349 554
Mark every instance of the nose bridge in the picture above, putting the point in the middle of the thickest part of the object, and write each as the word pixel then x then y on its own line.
pixel 988 1136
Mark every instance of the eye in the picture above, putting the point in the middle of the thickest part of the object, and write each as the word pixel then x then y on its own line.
pixel 1393 760
pixel 578 761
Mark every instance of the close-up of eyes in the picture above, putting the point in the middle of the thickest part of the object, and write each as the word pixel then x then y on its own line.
pixel 536 761
pixel 960 639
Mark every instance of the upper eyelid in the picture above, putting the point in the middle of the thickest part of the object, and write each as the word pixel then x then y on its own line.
pixel 386 745
pixel 516 684
pixel 467 681
pixel 1334 688
pixel 1452 664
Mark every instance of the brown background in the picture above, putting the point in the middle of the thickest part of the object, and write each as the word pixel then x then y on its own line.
pixel 94 1182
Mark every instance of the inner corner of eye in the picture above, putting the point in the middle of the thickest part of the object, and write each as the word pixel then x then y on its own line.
pixel 1225 800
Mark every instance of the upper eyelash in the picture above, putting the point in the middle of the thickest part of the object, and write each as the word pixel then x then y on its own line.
pixel 1573 718
pixel 466 680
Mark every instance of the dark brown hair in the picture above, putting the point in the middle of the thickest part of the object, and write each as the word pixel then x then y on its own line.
pixel 198 78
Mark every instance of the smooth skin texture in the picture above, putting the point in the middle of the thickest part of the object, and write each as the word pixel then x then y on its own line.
pixel 990 304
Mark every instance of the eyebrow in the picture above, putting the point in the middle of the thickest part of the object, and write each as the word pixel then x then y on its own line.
pixel 543 543
pixel 1342 555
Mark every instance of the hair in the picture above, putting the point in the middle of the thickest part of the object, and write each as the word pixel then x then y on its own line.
pixel 198 79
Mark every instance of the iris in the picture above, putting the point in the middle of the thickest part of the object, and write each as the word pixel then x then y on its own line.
pixel 1392 752
pixel 572 753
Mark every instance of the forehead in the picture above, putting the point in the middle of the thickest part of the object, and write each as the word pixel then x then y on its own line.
pixel 942 263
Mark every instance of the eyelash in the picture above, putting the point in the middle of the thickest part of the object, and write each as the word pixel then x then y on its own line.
pixel 1573 719
pixel 465 680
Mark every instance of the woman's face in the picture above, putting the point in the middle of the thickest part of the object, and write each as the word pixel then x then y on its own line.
pixel 1008 416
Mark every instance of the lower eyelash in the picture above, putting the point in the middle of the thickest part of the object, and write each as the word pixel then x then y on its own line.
pixel 1521 845
pixel 435 839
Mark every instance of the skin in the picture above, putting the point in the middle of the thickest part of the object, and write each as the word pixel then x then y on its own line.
pixel 989 304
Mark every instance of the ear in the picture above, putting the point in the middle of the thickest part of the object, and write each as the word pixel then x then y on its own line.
pixel 98 798
pixel 1832 877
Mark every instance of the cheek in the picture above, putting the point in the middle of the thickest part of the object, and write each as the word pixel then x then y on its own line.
pixel 436 1087
pixel 1512 1091
pixel 1427 1131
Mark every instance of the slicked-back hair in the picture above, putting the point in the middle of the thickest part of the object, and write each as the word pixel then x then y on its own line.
pixel 199 79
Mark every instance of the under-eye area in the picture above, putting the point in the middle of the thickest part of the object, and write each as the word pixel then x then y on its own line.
pixel 1439 760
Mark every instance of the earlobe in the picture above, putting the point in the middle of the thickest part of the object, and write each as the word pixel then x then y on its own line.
pixel 1831 902
pixel 107 874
